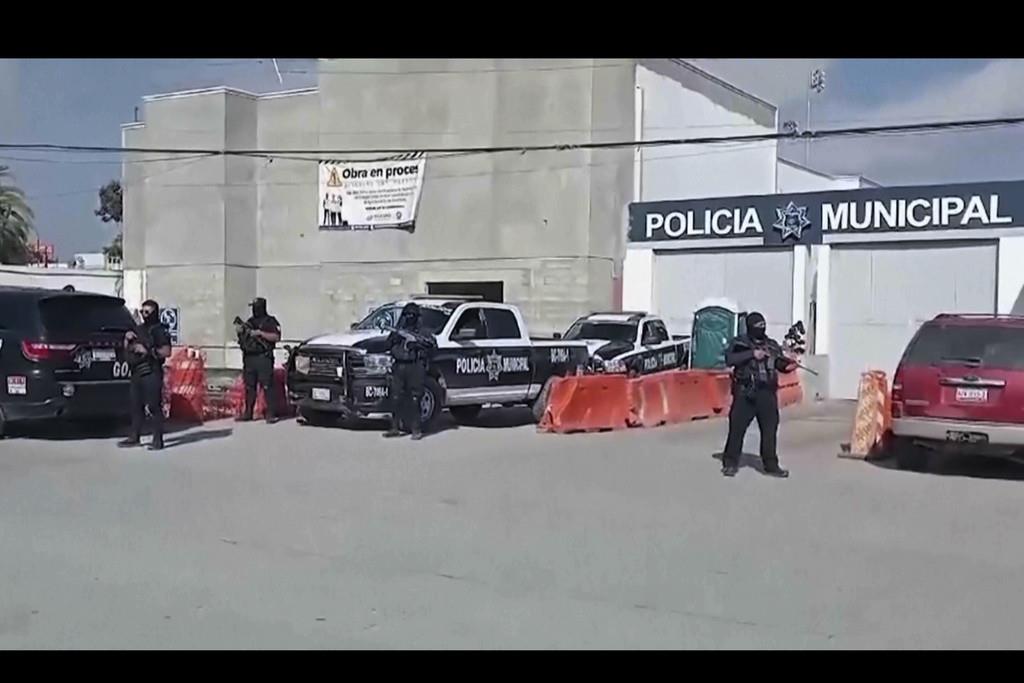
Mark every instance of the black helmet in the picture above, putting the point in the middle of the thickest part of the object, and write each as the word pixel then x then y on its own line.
pixel 410 315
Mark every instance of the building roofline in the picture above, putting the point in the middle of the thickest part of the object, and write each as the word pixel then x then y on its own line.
pixel 133 124
pixel 220 89
pixel 830 176
pixel 725 84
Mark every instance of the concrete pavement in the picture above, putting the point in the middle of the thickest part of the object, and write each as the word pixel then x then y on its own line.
pixel 256 536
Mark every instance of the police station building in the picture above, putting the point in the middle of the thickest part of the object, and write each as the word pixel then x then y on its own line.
pixel 863 268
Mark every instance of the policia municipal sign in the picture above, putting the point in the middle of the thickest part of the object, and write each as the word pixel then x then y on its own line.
pixel 807 218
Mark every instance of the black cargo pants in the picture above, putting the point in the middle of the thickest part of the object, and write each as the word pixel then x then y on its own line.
pixel 764 406
pixel 146 391
pixel 259 370
pixel 407 378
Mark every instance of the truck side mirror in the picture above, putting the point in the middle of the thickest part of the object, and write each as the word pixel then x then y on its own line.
pixel 558 335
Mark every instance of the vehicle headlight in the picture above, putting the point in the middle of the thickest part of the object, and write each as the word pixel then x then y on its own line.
pixel 377 363
pixel 302 365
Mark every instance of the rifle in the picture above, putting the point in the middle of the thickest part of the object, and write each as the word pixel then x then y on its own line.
pixel 421 341
pixel 247 341
pixel 773 356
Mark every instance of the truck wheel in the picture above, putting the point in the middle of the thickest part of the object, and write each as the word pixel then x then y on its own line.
pixel 431 404
pixel 3 423
pixel 465 414
pixel 318 418
pixel 540 404
pixel 910 457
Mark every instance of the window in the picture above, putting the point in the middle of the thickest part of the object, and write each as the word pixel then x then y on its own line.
pixel 983 346
pixel 470 325
pixel 77 315
pixel 620 332
pixel 501 324
pixel 431 319
pixel 654 333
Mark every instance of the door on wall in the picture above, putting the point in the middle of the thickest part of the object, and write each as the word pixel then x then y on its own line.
pixel 493 291
pixel 881 294
pixel 756 279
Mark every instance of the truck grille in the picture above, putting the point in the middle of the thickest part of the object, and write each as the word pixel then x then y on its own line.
pixel 326 366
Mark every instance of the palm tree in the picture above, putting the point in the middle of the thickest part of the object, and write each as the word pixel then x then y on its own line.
pixel 15 221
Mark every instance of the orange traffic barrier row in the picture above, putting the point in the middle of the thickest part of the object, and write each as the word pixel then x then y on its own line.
pixel 873 418
pixel 588 403
pixel 790 391
pixel 185 385
pixel 585 403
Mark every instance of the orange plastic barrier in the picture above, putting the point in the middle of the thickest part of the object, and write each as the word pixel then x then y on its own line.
pixel 588 403
pixel 674 396
pixel 873 418
pixel 185 385
pixel 236 397
pixel 790 390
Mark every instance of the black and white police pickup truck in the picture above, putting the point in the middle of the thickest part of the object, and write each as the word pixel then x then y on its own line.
pixel 635 343
pixel 484 357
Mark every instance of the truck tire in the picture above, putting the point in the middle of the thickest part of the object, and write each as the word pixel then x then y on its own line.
pixel 432 403
pixel 465 414
pixel 318 418
pixel 3 423
pixel 540 404
pixel 910 457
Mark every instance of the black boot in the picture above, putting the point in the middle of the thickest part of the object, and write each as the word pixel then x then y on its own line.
pixel 417 435
pixel 730 470
pixel 157 444
pixel 776 471
pixel 130 442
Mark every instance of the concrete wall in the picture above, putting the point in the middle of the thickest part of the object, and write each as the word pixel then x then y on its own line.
pixel 100 282
pixel 212 233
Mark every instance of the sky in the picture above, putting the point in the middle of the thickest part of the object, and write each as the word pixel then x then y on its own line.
pixel 85 101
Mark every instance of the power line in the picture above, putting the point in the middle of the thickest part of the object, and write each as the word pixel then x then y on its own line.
pixel 902 129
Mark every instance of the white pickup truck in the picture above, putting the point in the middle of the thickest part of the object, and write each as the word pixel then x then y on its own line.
pixel 636 343
pixel 484 356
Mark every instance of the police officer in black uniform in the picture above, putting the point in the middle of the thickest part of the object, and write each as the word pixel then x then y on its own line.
pixel 146 348
pixel 257 337
pixel 410 349
pixel 756 360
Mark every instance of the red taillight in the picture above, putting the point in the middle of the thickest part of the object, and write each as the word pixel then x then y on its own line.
pixel 897 393
pixel 37 351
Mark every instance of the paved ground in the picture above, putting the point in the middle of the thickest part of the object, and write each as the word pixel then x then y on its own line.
pixel 490 537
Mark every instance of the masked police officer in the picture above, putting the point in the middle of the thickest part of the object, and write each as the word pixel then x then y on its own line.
pixel 756 360
pixel 410 350
pixel 146 348
pixel 257 337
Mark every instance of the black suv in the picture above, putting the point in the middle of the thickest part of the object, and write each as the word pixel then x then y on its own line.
pixel 61 355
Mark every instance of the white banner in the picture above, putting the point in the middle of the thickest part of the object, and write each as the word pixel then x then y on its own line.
pixel 370 195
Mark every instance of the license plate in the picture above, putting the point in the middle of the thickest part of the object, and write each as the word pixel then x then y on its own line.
pixel 376 392
pixel 103 355
pixel 966 437
pixel 971 395
pixel 321 394
pixel 17 386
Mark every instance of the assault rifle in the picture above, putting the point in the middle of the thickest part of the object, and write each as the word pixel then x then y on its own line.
pixel 773 356
pixel 249 341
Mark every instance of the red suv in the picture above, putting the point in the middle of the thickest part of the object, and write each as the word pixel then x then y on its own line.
pixel 960 388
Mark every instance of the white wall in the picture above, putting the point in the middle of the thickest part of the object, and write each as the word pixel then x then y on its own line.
pixel 794 178
pixel 1010 274
pixel 671 110
pixel 100 282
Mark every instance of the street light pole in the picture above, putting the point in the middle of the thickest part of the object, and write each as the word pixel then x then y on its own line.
pixel 817 85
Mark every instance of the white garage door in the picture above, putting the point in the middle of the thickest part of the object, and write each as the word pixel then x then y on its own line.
pixel 881 294
pixel 760 280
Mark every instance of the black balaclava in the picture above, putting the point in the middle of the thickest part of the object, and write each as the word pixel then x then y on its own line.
pixel 154 317
pixel 756 326
pixel 259 307
pixel 410 317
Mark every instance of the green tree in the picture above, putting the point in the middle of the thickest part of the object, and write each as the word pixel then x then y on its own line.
pixel 110 209
pixel 16 219
pixel 110 203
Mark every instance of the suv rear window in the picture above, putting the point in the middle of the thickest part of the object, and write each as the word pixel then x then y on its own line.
pixel 980 345
pixel 78 315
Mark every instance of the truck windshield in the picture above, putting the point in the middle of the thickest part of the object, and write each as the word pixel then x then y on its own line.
pixel 82 315
pixel 620 332
pixel 431 319
pixel 974 345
